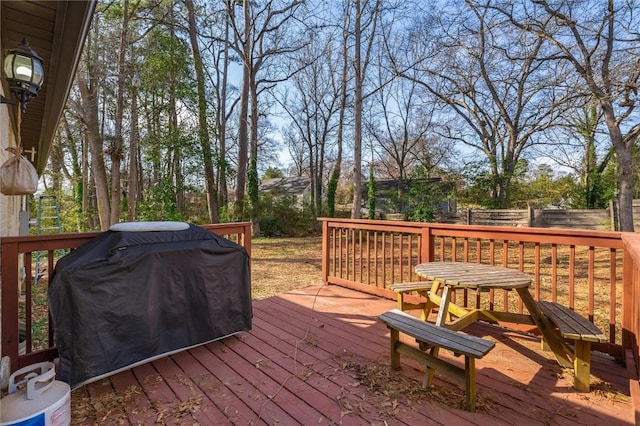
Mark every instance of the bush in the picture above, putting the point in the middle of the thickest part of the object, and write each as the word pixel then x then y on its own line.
pixel 279 216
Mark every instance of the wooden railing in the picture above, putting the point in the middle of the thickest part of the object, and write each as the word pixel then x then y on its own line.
pixel 30 311
pixel 580 269
pixel 631 314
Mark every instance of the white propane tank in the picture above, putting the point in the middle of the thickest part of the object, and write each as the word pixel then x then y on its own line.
pixel 44 401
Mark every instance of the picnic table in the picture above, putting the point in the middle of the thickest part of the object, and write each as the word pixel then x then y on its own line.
pixel 554 321
pixel 448 276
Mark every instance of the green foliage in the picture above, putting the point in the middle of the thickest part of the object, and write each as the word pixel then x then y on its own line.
pixel 231 213
pixel 272 173
pixel 422 202
pixel 538 190
pixel 597 193
pixel 278 216
pixel 159 204
pixel 371 194
pixel 167 67
pixel 332 187
pixel 480 186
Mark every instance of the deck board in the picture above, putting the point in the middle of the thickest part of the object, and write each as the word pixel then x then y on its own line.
pixel 299 366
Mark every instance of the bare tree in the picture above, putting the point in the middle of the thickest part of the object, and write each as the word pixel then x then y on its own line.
pixel 260 37
pixel 203 125
pixel 334 178
pixel 365 22
pixel 602 44
pixel 313 106
pixel 586 151
pixel 398 123
pixel 490 77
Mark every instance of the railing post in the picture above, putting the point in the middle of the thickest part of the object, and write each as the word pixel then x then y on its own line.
pixel 246 238
pixel 325 251
pixel 426 249
pixel 9 279
pixel 629 272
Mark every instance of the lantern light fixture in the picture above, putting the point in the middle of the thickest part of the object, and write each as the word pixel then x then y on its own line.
pixel 24 72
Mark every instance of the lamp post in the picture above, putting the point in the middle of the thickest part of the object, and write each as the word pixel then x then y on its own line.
pixel 24 72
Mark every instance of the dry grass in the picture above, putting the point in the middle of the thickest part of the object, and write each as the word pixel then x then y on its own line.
pixel 279 265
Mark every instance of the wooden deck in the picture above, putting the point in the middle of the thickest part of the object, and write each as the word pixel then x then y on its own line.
pixel 318 356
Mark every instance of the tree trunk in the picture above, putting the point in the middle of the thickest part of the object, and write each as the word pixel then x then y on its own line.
pixel 357 142
pixel 203 127
pixel 222 123
pixel 243 137
pixel 96 147
pixel 117 150
pixel 332 187
pixel 623 150
pixel 133 157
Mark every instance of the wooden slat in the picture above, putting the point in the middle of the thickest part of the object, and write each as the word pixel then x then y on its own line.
pixel 571 324
pixel 473 275
pixel 432 335
pixel 411 286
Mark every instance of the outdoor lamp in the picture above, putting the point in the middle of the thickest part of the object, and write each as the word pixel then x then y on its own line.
pixel 24 72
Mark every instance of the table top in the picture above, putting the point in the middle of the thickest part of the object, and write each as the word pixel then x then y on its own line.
pixel 473 275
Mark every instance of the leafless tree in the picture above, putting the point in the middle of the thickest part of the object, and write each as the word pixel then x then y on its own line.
pixel 365 22
pixel 312 103
pixel 398 122
pixel 601 42
pixel 492 78
pixel 260 37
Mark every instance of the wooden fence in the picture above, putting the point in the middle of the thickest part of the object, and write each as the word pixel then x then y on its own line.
pixel 594 219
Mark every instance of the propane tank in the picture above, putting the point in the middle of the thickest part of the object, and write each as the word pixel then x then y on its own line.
pixel 36 398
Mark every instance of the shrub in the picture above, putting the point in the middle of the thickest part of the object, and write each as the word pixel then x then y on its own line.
pixel 279 216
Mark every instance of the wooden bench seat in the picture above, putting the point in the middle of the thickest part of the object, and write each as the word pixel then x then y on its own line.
pixel 435 337
pixel 421 288
pixel 573 326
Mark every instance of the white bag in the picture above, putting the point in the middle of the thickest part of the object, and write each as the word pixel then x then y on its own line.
pixel 18 176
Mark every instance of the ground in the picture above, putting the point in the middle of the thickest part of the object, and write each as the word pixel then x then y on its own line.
pixel 279 265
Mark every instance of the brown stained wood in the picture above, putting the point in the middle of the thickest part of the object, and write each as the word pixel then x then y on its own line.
pixel 437 338
pixel 218 386
pixel 138 408
pixel 571 324
pixel 314 358
pixel 517 382
pixel 298 373
pixel 215 403
pixel 271 392
pixel 189 396
pixel 434 335
pixel 535 246
pixel 484 277
pixel 248 384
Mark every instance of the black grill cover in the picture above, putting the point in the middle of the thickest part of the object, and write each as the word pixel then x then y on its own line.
pixel 126 297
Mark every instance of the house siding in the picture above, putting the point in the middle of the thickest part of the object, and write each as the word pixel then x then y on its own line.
pixel 9 205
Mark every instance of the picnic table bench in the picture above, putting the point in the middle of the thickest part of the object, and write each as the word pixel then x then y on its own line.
pixel 573 326
pixel 436 337
pixel 419 287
